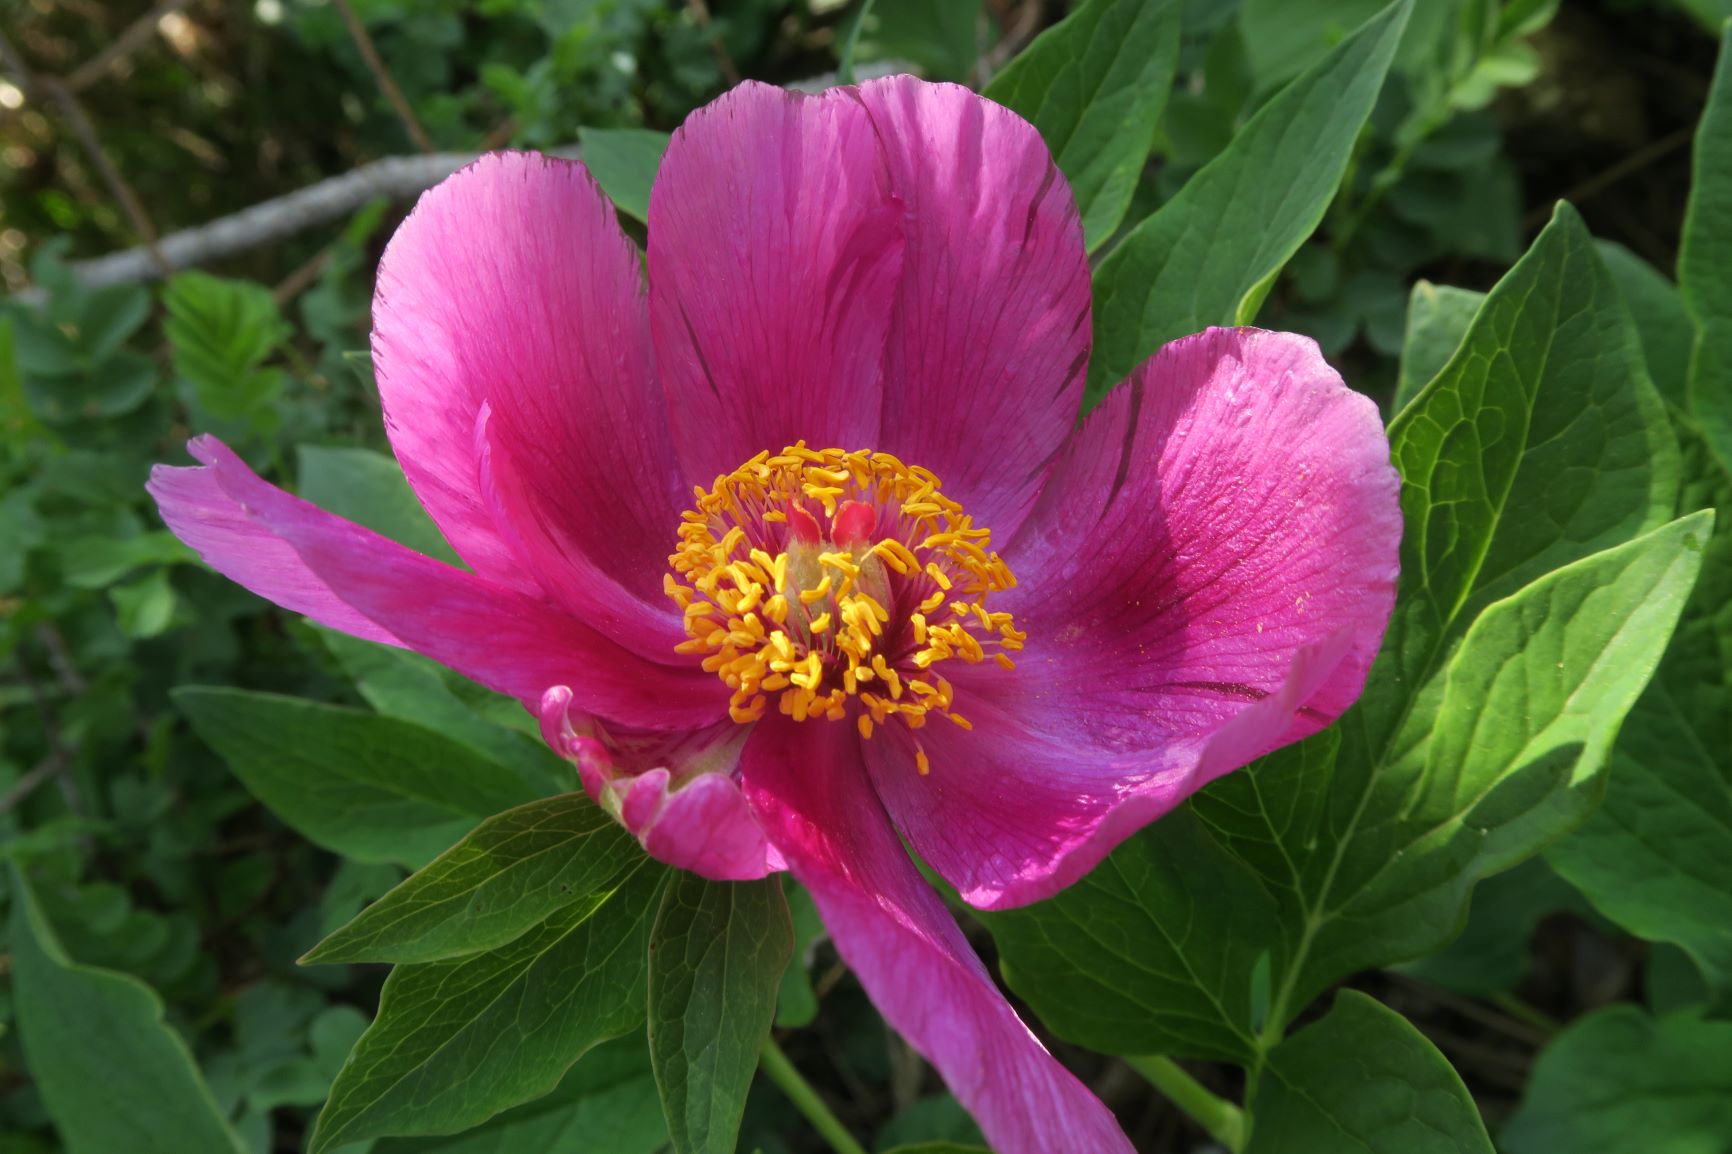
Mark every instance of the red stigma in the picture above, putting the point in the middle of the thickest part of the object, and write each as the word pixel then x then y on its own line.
pixel 803 525
pixel 854 523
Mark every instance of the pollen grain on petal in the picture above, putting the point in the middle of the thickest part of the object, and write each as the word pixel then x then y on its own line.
pixel 836 614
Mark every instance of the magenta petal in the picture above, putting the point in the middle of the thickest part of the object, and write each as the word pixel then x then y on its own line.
pixel 1206 577
pixel 774 248
pixel 989 343
pixel 511 321
pixel 806 782
pixel 1010 815
pixel 220 529
pixel 675 793
pixel 503 639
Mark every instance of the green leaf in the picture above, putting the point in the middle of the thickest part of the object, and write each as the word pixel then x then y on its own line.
pixel 797 1000
pixel 221 332
pixel 1509 749
pixel 1094 85
pixel 1704 275
pixel 1619 1081
pixel 112 1075
pixel 1661 319
pixel 369 489
pixel 937 36
pixel 1209 255
pixel 717 953
pixel 1438 317
pixel 1491 955
pixel 514 871
pixel 606 1104
pixel 1130 960
pixel 624 162
pixel 458 1041
pixel 1656 857
pixel 371 788
pixel 938 1148
pixel 1540 442
pixel 400 683
pixel 1363 1079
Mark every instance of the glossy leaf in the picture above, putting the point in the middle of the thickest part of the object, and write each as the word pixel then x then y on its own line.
pixel 111 1072
pixel 1705 263
pixel 371 788
pixel 717 953
pixel 1363 1079
pixel 456 1042
pixel 1618 1081
pixel 1095 85
pixel 1209 255
pixel 514 871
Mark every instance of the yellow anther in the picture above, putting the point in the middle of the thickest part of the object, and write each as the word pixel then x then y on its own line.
pixel 731 575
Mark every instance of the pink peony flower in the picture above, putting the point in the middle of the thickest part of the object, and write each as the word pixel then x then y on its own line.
pixel 803 553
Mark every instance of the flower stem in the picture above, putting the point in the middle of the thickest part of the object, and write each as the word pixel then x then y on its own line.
pixel 775 1064
pixel 1223 1120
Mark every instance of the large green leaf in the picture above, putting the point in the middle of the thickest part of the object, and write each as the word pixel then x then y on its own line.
pixel 1101 969
pixel 372 788
pixel 1209 255
pixel 1705 262
pixel 112 1074
pixel 1618 1081
pixel 1541 441
pixel 1095 85
pixel 369 489
pixel 1661 319
pixel 1656 857
pixel 514 871
pixel 458 1041
pixel 717 953
pixel 1363 1079
pixel 1438 317
pixel 606 1104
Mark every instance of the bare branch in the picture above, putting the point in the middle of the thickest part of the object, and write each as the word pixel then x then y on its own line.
pixel 132 37
pixel 62 98
pixel 364 42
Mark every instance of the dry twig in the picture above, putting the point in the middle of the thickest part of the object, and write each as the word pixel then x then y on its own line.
pixel 364 42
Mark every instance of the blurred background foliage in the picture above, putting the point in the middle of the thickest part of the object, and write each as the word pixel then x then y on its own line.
pixel 151 859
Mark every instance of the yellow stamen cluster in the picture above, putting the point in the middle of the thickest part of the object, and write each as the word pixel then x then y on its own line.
pixel 814 621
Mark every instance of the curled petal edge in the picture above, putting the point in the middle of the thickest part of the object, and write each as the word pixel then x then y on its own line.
pixel 697 821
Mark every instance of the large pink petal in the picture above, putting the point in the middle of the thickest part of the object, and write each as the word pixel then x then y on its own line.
pixel 511 340
pixel 774 248
pixel 807 784
pixel 1010 814
pixel 989 343
pixel 1206 577
pixel 676 793
pixel 350 578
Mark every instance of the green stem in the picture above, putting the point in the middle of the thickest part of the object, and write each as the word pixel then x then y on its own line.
pixel 1223 1120
pixel 775 1064
pixel 1516 1008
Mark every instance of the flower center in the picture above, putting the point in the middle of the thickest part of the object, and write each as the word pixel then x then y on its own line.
pixel 816 575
